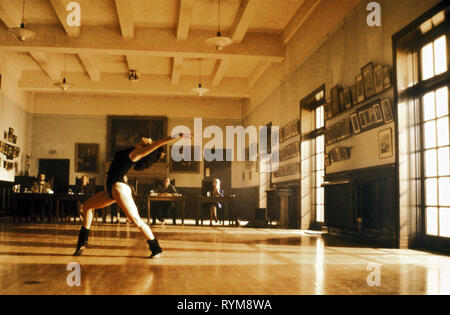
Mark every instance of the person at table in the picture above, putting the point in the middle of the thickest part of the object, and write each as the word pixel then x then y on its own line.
pixel 216 192
pixel 41 186
pixel 162 207
pixel 139 157
pixel 84 188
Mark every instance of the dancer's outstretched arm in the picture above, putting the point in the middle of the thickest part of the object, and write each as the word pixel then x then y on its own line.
pixel 142 151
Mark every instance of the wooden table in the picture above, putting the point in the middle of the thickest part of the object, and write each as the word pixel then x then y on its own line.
pixel 19 198
pixel 78 198
pixel 226 201
pixel 168 198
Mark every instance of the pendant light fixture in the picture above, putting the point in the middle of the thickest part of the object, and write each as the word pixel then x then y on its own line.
pixel 64 85
pixel 21 32
pixel 219 41
pixel 200 90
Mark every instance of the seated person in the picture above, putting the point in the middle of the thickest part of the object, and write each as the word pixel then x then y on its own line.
pixel 41 186
pixel 84 188
pixel 162 207
pixel 217 192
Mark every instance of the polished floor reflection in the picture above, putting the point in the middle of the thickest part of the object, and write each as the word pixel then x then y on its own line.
pixel 210 260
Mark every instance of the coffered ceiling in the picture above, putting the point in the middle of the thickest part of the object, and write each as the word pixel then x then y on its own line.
pixel 164 40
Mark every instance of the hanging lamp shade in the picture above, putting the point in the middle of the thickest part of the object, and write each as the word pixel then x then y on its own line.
pixel 200 90
pixel 21 32
pixel 219 41
pixel 64 85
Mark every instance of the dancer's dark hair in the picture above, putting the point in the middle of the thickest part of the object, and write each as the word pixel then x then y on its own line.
pixel 149 160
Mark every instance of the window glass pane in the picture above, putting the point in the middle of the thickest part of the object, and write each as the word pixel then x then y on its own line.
pixel 443 131
pixel 442 102
pixel 430 134
pixel 444 222
pixel 427 62
pixel 319 196
pixel 444 192
pixel 432 221
pixel 444 161
pixel 431 192
pixel 429 108
pixel 430 163
pixel 320 213
pixel 440 55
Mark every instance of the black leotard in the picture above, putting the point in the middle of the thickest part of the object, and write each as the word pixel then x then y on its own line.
pixel 119 167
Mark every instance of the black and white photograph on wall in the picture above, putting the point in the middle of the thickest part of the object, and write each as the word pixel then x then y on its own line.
pixel 385 143
pixel 386 77
pixel 341 101
pixel 354 95
pixel 355 123
pixel 378 113
pixel 369 85
pixel 387 110
pixel 378 76
pixel 360 88
pixel 86 157
pixel 334 92
pixel 11 134
pixel 362 120
pixel 348 98
pixel 5 135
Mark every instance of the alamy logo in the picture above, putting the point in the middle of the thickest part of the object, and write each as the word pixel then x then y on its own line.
pixel 74 278
pixel 74 17
pixel 374 18
pixel 235 144
pixel 374 278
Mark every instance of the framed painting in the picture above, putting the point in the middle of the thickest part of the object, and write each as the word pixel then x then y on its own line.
pixel 355 123
pixel 359 88
pixel 368 79
pixel 386 77
pixel 186 165
pixel 86 157
pixel 387 110
pixel 385 143
pixel 126 131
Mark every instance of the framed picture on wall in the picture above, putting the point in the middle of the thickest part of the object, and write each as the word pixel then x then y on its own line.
pixel 378 113
pixel 387 110
pixel 385 143
pixel 354 95
pixel 348 98
pixel 126 131
pixel 86 157
pixel 355 123
pixel 368 79
pixel 335 100
pixel 341 101
pixel 386 77
pixel 359 88
pixel 378 77
pixel 183 166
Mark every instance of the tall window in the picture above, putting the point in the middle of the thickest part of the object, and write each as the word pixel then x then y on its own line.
pixel 423 78
pixel 319 166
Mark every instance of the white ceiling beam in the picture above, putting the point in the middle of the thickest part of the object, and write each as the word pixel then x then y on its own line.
pixel 47 64
pixel 10 14
pixel 126 20
pixel 219 72
pixel 89 65
pixel 133 62
pixel 147 42
pixel 243 18
pixel 37 81
pixel 258 72
pixel 300 17
pixel 184 19
pixel 10 66
pixel 177 67
pixel 60 7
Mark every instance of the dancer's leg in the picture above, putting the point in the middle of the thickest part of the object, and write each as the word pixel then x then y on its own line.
pixel 122 194
pixel 98 201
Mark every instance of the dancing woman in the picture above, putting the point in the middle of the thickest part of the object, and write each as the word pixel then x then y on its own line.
pixel 139 157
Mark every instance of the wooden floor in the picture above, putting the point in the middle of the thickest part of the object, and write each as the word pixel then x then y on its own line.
pixel 209 260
